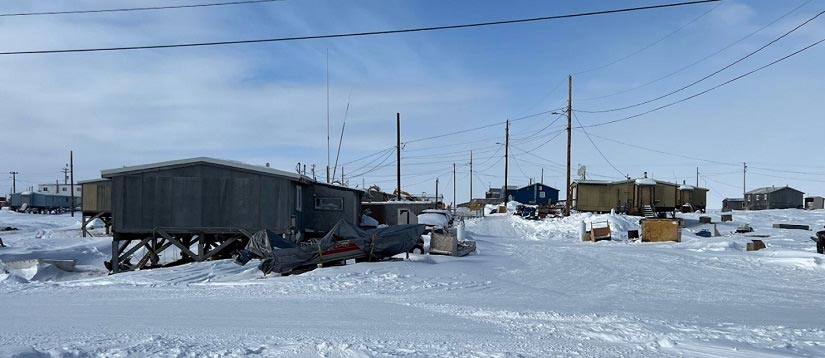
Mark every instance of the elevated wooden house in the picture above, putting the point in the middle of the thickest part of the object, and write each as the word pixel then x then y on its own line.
pixel 208 207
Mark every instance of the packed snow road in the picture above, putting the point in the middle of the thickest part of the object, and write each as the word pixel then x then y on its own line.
pixel 532 289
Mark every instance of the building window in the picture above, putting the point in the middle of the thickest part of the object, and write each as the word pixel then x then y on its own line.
pixel 541 194
pixel 328 203
pixel 64 189
pixel 299 198
pixel 45 188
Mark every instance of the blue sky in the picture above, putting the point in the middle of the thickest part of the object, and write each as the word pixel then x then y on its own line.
pixel 267 102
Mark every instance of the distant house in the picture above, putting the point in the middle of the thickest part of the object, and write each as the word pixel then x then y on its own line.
pixel 498 193
pixel 772 197
pixel 59 189
pixel 634 196
pixel 814 202
pixel 536 194
pixel 733 203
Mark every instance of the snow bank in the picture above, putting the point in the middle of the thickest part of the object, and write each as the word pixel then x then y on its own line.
pixel 509 225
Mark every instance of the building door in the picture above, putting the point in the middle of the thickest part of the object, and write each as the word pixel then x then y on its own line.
pixel 405 216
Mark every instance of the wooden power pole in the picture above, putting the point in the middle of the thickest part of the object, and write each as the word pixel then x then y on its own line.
pixel 71 180
pixel 744 186
pixel 506 158
pixel 455 201
pixel 697 177
pixel 471 176
pixel 14 182
pixel 568 195
pixel 398 155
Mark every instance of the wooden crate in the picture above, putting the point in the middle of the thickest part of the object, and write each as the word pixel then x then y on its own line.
pixel 661 230
pixel 756 245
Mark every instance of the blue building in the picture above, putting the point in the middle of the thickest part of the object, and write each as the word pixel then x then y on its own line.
pixel 535 194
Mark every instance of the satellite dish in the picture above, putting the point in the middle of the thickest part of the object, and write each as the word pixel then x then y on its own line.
pixel 582 172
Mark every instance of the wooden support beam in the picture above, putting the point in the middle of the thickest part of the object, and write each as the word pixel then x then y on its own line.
pixel 150 254
pixel 222 246
pixel 132 250
pixel 180 245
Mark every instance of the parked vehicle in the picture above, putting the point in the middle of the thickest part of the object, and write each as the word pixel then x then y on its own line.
pixel 434 219
pixel 744 228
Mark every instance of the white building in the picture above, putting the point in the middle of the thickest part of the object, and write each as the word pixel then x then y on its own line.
pixel 59 189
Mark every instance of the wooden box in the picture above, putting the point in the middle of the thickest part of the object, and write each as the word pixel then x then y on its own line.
pixel 661 230
pixel 756 245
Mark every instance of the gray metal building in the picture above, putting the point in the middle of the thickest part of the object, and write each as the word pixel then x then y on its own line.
pixel 216 204
pixel 772 197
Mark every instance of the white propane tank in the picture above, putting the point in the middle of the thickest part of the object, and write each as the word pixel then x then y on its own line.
pixel 460 235
pixel 582 230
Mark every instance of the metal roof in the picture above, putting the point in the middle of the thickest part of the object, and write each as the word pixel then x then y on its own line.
pixel 108 173
pixel 534 184
pixel 91 181
pixel 183 162
pixel 734 199
pixel 770 189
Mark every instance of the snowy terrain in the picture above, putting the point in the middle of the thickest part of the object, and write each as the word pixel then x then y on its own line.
pixel 533 289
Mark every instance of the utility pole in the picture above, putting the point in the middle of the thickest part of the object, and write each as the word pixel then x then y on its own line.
pixel 436 193
pixel 471 176
pixel 71 178
pixel 455 202
pixel 697 177
pixel 542 175
pixel 398 154
pixel 65 171
pixel 567 198
pixel 744 186
pixel 327 115
pixel 506 158
pixel 14 182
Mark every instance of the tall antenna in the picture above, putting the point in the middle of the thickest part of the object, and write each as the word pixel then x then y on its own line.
pixel 328 115
pixel 340 140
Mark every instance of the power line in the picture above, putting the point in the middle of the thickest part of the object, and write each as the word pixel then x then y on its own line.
pixel 477 128
pixel 708 76
pixel 707 90
pixel 597 147
pixel 654 43
pixel 367 156
pixel 148 8
pixel 671 74
pixel 359 34
pixel 668 153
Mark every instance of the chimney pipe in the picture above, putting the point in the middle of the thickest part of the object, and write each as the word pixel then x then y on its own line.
pixel 645 174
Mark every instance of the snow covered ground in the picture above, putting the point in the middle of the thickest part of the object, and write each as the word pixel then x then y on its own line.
pixel 533 289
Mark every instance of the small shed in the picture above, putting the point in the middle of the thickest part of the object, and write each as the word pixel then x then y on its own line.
pixel 593 196
pixel 733 204
pixel 216 204
pixel 814 203
pixel 96 203
pixel 536 194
